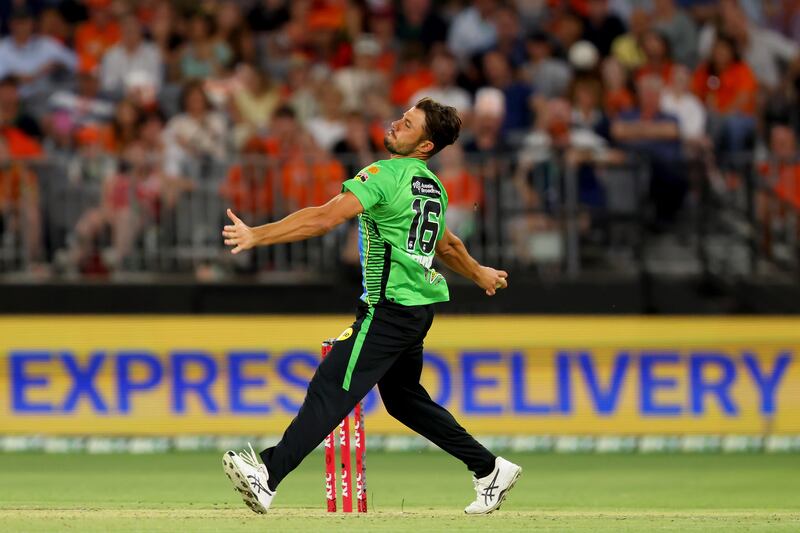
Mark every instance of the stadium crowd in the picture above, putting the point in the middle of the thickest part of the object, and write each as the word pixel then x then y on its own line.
pixel 143 100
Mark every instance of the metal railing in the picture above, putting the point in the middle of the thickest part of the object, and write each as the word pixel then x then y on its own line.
pixel 78 216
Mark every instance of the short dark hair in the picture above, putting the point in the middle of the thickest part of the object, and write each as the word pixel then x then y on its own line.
pixel 442 124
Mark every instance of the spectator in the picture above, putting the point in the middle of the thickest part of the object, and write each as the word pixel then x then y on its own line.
pixel 130 201
pixel 125 126
pixel 414 75
pixel 487 150
pixel 17 143
pixel 647 131
pixel 91 164
pixel 32 58
pixel 328 128
pixel 444 89
pixel 357 149
pixel 132 58
pixel 549 76
pixel 167 39
pixel 627 48
pixel 95 36
pixel 228 20
pixel 13 113
pixel 380 25
pixel 618 97
pixel 362 77
pixel 728 88
pixel 658 57
pixel 253 102
pixel 195 137
pixel 202 56
pixel 248 186
pixel 301 89
pixel 763 50
pixel 781 172
pixel 587 112
pixel 285 134
pixel 510 41
pixel 310 178
pixel 601 26
pixel 53 25
pixel 464 191
pixel 566 27
pixel 780 175
pixel 472 30
pixel 518 95
pixel 70 111
pixel 417 22
pixel 19 203
pixel 679 101
pixel 672 22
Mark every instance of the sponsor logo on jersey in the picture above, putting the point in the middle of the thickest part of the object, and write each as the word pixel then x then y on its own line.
pixel 423 186
pixel 373 169
pixel 345 335
pixel 423 260
pixel 362 176
pixel 434 278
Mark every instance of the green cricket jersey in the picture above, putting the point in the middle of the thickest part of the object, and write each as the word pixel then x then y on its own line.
pixel 404 213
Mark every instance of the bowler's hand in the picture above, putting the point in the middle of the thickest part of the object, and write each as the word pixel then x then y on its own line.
pixel 490 279
pixel 239 235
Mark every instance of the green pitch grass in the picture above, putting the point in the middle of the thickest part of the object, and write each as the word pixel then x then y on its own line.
pixel 417 492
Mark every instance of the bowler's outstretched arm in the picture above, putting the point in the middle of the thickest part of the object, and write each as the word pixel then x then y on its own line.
pixel 300 225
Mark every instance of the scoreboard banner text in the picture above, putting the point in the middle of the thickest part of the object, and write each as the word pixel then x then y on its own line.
pixel 498 374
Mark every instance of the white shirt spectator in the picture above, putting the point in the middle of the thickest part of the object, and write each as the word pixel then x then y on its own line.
pixel 187 138
pixel 119 65
pixel 31 57
pixel 690 112
pixel 326 132
pixel 451 96
pixel 470 33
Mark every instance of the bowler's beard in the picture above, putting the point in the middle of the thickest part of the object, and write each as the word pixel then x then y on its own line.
pixel 393 147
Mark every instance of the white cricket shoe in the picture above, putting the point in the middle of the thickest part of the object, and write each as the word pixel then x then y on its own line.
pixel 249 477
pixel 492 489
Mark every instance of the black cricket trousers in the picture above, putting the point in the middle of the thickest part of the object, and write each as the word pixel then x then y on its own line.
pixel 384 347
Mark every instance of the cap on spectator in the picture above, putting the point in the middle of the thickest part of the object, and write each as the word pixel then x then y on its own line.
pixel 21 12
pixel 367 45
pixel 583 55
pixel 490 101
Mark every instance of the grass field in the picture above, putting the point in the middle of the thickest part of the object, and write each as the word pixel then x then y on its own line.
pixel 418 492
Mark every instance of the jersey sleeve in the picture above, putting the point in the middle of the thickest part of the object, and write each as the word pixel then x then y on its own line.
pixel 372 185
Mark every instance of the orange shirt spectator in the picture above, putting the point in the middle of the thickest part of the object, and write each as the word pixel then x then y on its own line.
pixel 98 34
pixel 785 180
pixel 725 83
pixel 249 189
pixel 463 188
pixel 311 180
pixel 408 83
pixel 17 183
pixel 734 89
pixel 20 145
